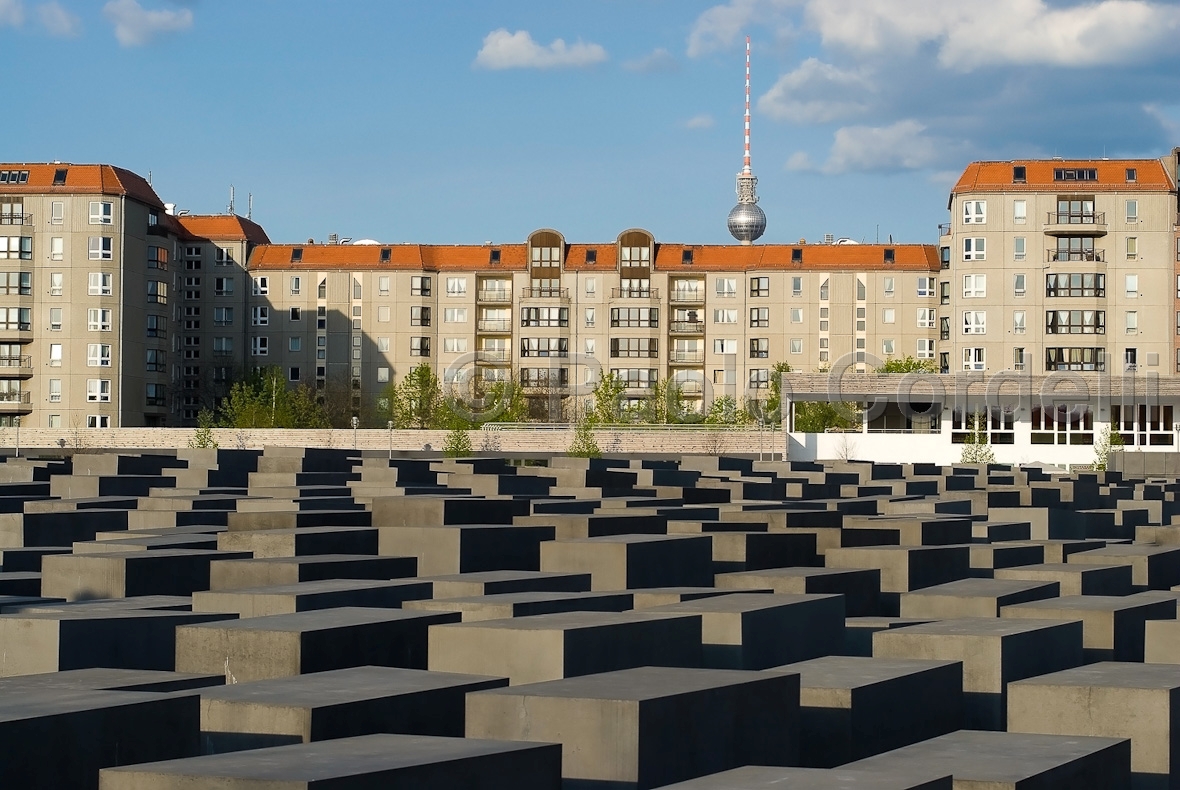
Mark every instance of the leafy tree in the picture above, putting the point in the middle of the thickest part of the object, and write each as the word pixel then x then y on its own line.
pixel 725 410
pixel 203 436
pixel 262 400
pixel 773 406
pixel 820 416
pixel 418 401
pixel 458 444
pixel 504 401
pixel 584 444
pixel 665 405
pixel 608 401
pixel 907 365
pixel 976 450
pixel 1110 441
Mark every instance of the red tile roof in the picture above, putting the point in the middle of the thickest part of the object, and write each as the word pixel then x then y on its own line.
pixel 1151 176
pixel 82 179
pixel 223 227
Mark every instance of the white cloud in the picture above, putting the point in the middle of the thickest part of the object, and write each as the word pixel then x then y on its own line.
pixel 58 21
pixel 899 146
pixel 504 50
pixel 817 92
pixel 720 26
pixel 1168 117
pixel 699 122
pixel 11 13
pixel 800 161
pixel 971 34
pixel 655 61
pixel 136 25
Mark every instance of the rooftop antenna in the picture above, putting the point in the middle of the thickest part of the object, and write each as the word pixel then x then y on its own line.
pixel 747 222
pixel 230 209
pixel 149 177
pixel 249 205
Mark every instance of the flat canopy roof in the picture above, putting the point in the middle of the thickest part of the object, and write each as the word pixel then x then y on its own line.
pixel 1064 386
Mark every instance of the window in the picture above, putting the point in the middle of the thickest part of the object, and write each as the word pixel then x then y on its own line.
pixel 796 345
pixel 974 322
pixel 760 317
pixel 157 258
pixel 1084 285
pixel 1020 212
pixel 224 316
pixel 1018 322
pixel 642 347
pixel 57 249
pixel 1075 322
pixel 725 316
pixel 796 286
pixel 589 316
pixel 98 421
pixel 974 212
pixel 1018 359
pixel 591 286
pixel 16 283
pixel 887 347
pixel 57 212
pixel 759 286
pixel 455 315
pixel 974 359
pixel 824 290
pixel 1132 285
pixel 101 248
pixel 635 317
pixel 726 287
pixel 1132 322
pixel 98 355
pixel 98 390
pixel 974 286
pixel 796 315
pixel 383 285
pixel 925 318
pixel 1132 248
pixel 101 212
pixel 974 249
pixel 590 346
pixel 295 343
pixel 261 286
pixel 18 319
pixel 259 346
pixel 55 390
pixel 925 286
pixel 259 316
pixel 57 283
pixel 156 360
pixel 55 319
pixel 889 286
pixel 99 320
pixel 223 346
pixel 861 291
pixel 723 346
pixel 1075 359
pixel 1018 285
pixel 1018 248
pixel 157 292
pixel 455 345
pixel 636 378
pixel 223 256
pixel 724 376
pixel 759 378
pixel 456 286
pixel 55 355
pixel 944 328
pixel 356 289
pixel 419 286
pixel 1075 174
pixel 925 348
pixel 322 289
pixel 823 322
pixel 1132 211
pixel 383 313
pixel 888 316
pixel 16 247
pixel 223 286
pixel 759 347
pixel 419 346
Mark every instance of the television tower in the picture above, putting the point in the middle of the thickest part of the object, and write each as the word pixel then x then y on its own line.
pixel 747 222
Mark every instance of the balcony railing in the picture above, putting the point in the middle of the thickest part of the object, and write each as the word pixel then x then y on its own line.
pixel 690 387
pixel 21 364
pixel 687 296
pixel 495 296
pixel 634 293
pixel 686 327
pixel 944 229
pixel 1056 256
pixel 545 293
pixel 494 325
pixel 1075 223
pixel 11 398
pixel 16 219
pixel 533 353
pixel 492 355
pixel 687 357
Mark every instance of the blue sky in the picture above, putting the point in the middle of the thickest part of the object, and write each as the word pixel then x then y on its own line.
pixel 458 121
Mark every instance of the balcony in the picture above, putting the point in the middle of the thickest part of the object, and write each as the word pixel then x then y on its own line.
pixel 690 388
pixel 545 293
pixel 15 401
pixel 1075 223
pixel 16 219
pixel 687 296
pixel 686 327
pixel 944 229
pixel 495 356
pixel 495 296
pixel 16 366
pixel 495 326
pixel 686 358
pixel 1060 256
pixel 634 293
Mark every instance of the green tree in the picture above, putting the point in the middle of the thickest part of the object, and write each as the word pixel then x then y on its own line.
pixel 771 408
pixel 1110 441
pixel 665 405
pixel 584 444
pixel 820 416
pixel 262 400
pixel 458 443
pixel 608 401
pixel 203 436
pixel 504 401
pixel 976 450
pixel 907 365
pixel 418 401
pixel 725 410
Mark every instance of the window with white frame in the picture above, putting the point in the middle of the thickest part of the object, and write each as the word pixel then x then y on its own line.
pixel 1132 211
pixel 590 316
pixel 101 212
pixel 223 286
pixel 796 345
pixel 1020 211
pixel 296 285
pixel 57 283
pixel 98 355
pixel 259 346
pixel 223 346
pixel 295 343
pixel 925 348
pixel 590 346
pixel 925 286
pixel 223 256
pixel 721 316
pixel 1018 248
pixel 760 377
pixel 261 286
pixel 55 319
pixel 974 286
pixel 796 286
pixel 974 322
pixel 890 282
pixel 888 316
pixel 1018 322
pixel 57 212
pixel 591 286
pixel 974 359
pixel 383 285
pixel 55 355
pixel 57 248
pixel 98 390
pixel 98 421
pixel 456 286
pixel 926 317
pixel 974 249
pixel 796 315
pixel 223 316
pixel 887 347
pixel 419 285
pixel 383 313
pixel 726 287
pixel 1019 285
pixel 1132 322
pixel 102 248
pixel 724 346
pixel 98 320
pixel 455 345
pixel 974 212
pixel 455 315
pixel 1132 248
pixel 55 390
pixel 259 316
pixel 1131 282
pixel 382 375
pixel 383 345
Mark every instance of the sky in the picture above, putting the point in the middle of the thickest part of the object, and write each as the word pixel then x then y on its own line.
pixel 460 121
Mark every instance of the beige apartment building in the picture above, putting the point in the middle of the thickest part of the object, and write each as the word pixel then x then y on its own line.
pixel 121 311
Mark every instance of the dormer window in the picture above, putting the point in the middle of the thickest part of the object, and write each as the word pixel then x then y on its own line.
pixel 591 256
pixel 796 255
pixel 1132 175
pixel 296 254
pixel 386 254
pixel 686 257
pixel 890 255
pixel 495 257
pixel 59 177
pixel 1019 174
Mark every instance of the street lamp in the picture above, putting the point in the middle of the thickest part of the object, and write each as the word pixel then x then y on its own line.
pixel 390 426
pixel 355 422
pixel 16 422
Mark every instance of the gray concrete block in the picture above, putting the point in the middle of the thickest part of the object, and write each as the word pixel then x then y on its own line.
pixel 311 596
pixel 625 562
pixel 1152 567
pixel 861 588
pixel 243 574
pixel 525 604
pixel 465 585
pixel 1075 579
pixel 973 598
pixel 467 548
pixel 295 542
pixel 858 632
pixel 760 777
pixel 77 577
pixel 1112 626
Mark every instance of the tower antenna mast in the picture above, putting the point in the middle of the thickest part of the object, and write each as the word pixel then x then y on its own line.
pixel 747 222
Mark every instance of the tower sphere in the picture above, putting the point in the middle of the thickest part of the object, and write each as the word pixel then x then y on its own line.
pixel 747 222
